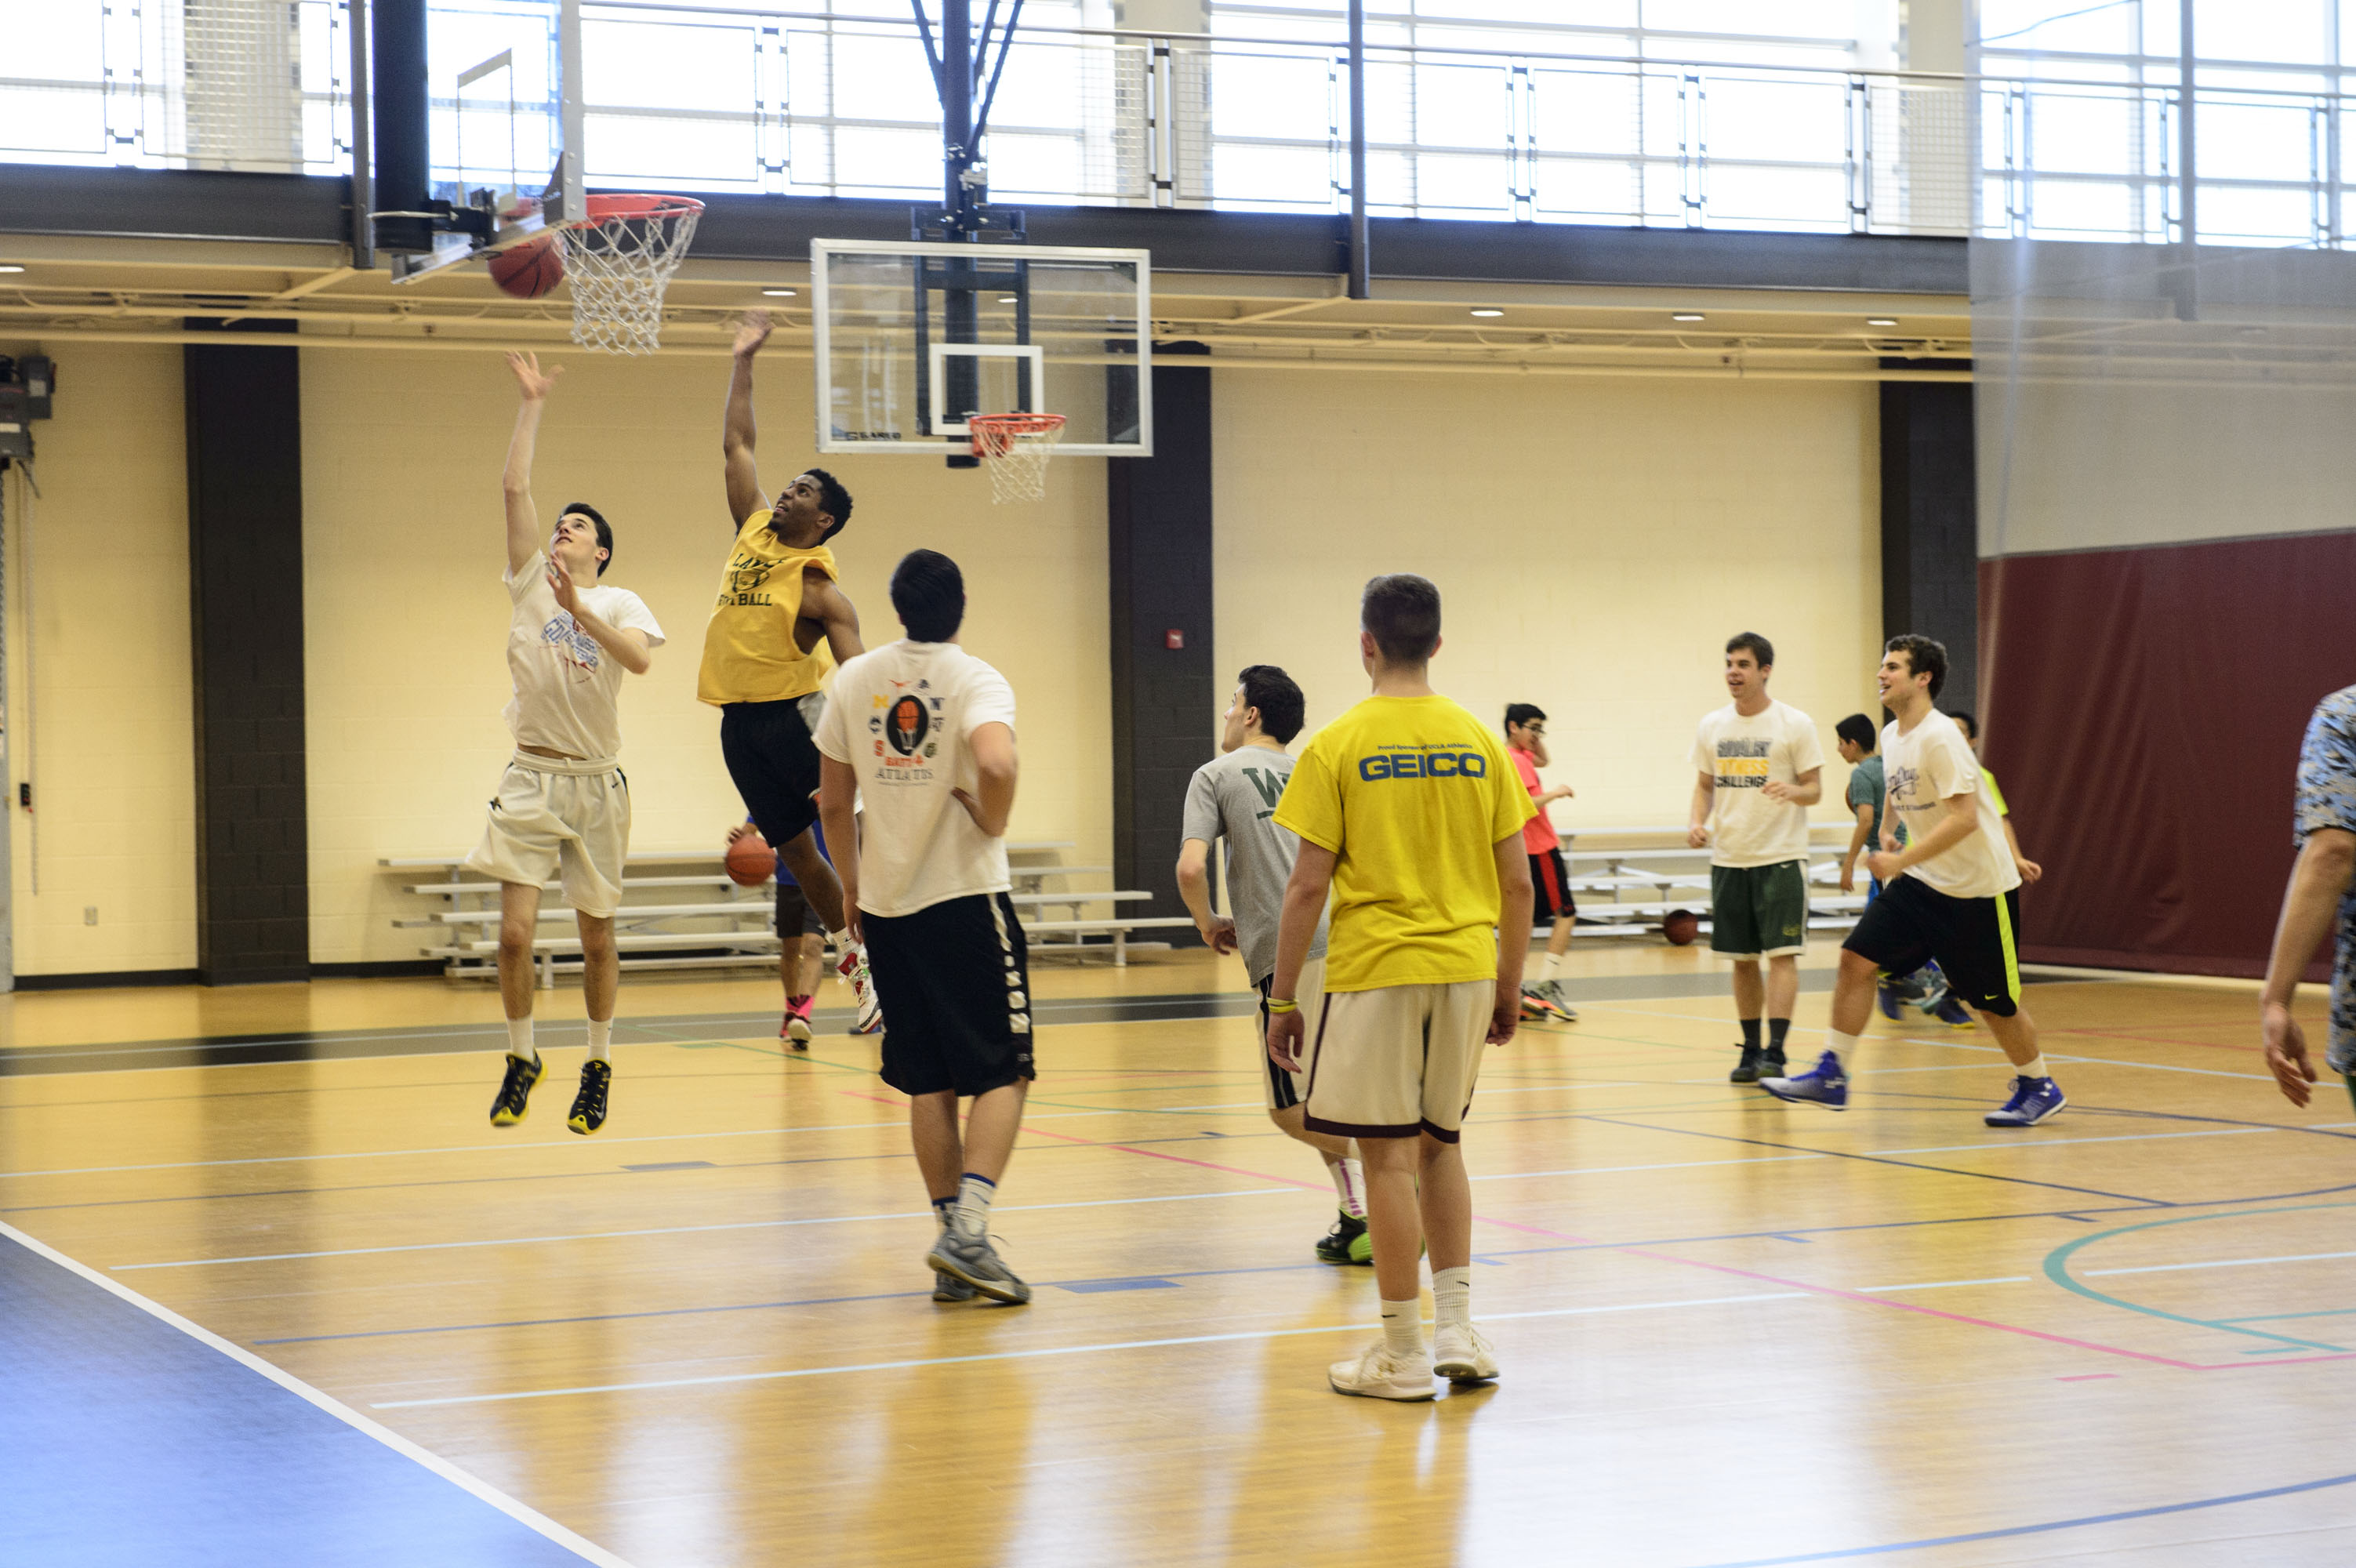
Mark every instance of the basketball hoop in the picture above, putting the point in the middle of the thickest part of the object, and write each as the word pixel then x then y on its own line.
pixel 619 259
pixel 1015 448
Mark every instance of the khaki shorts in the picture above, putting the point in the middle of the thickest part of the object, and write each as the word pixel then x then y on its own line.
pixel 1398 1060
pixel 1285 1088
pixel 550 813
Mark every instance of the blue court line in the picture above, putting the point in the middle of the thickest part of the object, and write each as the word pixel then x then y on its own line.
pixel 2057 1269
pixel 2051 1525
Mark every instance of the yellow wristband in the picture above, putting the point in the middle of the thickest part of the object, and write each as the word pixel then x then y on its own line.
pixel 1282 1005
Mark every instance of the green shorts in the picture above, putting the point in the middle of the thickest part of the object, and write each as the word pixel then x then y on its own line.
pixel 1759 911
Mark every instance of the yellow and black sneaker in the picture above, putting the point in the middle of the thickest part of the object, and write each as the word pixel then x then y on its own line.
pixel 589 1105
pixel 515 1091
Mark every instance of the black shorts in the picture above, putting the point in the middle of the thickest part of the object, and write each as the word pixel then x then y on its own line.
pixel 797 916
pixel 1974 940
pixel 774 761
pixel 956 991
pixel 1550 881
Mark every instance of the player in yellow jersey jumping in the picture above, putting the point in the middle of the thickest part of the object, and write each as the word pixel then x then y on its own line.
pixel 763 665
pixel 1411 814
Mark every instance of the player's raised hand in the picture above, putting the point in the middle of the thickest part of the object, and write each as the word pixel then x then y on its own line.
pixel 560 583
pixel 528 375
pixel 752 332
pixel 2287 1056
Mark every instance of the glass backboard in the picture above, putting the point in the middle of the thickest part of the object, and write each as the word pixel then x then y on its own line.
pixel 915 338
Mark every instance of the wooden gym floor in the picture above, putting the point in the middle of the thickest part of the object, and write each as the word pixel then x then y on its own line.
pixel 1732 1331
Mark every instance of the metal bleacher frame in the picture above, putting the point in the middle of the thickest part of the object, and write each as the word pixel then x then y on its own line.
pixel 1678 876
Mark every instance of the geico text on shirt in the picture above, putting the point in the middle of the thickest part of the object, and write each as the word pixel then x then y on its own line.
pixel 1435 764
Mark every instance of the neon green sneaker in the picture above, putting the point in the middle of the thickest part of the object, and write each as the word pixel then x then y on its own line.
pixel 1348 1243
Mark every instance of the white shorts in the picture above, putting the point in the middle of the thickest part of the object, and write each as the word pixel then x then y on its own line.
pixel 1398 1060
pixel 1286 1089
pixel 550 812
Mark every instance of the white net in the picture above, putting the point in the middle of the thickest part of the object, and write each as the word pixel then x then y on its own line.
pixel 619 262
pixel 1015 448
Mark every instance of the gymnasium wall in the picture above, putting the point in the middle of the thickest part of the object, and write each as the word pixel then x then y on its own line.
pixel 1595 543
pixel 404 549
pixel 97 699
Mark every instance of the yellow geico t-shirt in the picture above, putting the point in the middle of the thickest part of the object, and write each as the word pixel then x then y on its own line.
pixel 749 652
pixel 1412 794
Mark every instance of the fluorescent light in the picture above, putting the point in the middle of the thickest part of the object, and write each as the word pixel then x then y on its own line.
pixel 779 292
pixel 10 267
pixel 1881 321
pixel 1486 310
pixel 1006 299
pixel 1686 316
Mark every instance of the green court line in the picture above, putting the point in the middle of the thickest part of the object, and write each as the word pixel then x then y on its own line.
pixel 2057 1269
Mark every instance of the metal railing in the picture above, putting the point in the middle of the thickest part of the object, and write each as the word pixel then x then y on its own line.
pixel 708 98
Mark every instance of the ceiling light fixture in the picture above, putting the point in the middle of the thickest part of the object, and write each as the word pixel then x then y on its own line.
pixel 1486 310
pixel 779 292
pixel 10 267
pixel 1006 299
pixel 1686 316
pixel 1881 321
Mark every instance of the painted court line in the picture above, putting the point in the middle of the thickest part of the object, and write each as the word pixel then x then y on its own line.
pixel 1950 1285
pixel 2220 1263
pixel 2053 1143
pixel 670 1231
pixel 728 1378
pixel 1674 1166
pixel 530 1518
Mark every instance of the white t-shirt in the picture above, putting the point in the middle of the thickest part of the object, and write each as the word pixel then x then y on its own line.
pixel 567 689
pixel 903 717
pixel 1778 744
pixel 1921 770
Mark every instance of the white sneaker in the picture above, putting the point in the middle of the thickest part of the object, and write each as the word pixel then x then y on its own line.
pixel 1463 1355
pixel 852 967
pixel 1378 1374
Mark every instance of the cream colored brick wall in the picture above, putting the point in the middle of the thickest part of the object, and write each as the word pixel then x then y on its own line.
pixel 1595 544
pixel 104 732
pixel 407 618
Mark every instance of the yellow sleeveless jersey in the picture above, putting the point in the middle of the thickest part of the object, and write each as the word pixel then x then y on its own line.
pixel 749 652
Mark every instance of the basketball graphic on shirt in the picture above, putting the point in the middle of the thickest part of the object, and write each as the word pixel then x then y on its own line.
pixel 905 725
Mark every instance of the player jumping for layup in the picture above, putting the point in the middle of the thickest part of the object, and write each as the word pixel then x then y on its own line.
pixel 778 598
pixel 562 802
pixel 1951 894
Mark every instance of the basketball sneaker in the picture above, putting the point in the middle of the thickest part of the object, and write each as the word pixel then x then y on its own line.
pixel 796 1030
pixel 1952 1014
pixel 948 1287
pixel 589 1105
pixel 973 1260
pixel 1376 1374
pixel 1538 1006
pixel 1553 989
pixel 1894 1006
pixel 1463 1355
pixel 2034 1100
pixel 1747 1069
pixel 1824 1085
pixel 514 1102
pixel 1348 1243
pixel 854 967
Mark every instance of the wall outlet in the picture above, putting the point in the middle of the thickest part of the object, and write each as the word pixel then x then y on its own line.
pixel 89 914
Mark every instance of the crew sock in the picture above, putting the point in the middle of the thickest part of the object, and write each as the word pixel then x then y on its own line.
pixel 1776 1030
pixel 601 1039
pixel 1553 967
pixel 1751 1034
pixel 2036 1069
pixel 974 1193
pixel 1451 1296
pixel 1403 1329
pixel 520 1044
pixel 1350 1183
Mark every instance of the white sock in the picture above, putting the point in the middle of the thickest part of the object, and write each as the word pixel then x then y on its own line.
pixel 1553 966
pixel 520 1044
pixel 1350 1183
pixel 839 941
pixel 601 1039
pixel 1838 1043
pixel 1403 1329
pixel 1451 1296
pixel 2036 1068
pixel 944 1210
pixel 974 1194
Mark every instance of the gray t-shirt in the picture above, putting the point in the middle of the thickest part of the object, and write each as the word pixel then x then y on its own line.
pixel 1235 796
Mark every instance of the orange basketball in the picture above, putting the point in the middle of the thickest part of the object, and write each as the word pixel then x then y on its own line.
pixel 751 861
pixel 1680 926
pixel 531 269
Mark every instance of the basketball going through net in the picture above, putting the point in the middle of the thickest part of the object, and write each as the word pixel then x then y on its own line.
pixel 619 259
pixel 1015 448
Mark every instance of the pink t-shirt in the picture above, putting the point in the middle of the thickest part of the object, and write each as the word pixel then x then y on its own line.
pixel 1537 834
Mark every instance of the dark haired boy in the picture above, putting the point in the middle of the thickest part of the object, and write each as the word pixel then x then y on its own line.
pixel 1410 817
pixel 1233 797
pixel 1759 768
pixel 1549 875
pixel 1952 894
pixel 562 805
pixel 778 600
pixel 923 732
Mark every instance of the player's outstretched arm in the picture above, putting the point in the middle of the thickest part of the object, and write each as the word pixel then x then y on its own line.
pixel 828 612
pixel 736 431
pixel 838 791
pixel 523 518
pixel 2318 881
